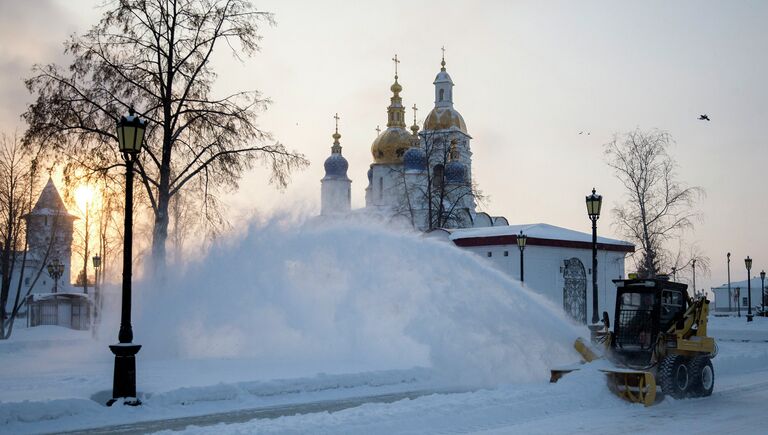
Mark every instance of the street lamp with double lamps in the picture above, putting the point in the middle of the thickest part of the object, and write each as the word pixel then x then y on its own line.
pixel 594 202
pixel 521 241
pixel 130 137
pixel 748 263
pixel 55 270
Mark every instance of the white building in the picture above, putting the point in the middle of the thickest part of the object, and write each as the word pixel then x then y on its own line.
pixel 424 178
pixel 737 299
pixel 557 262
pixel 49 241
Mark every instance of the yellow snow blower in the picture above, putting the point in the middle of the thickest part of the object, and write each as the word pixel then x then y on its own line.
pixel 659 337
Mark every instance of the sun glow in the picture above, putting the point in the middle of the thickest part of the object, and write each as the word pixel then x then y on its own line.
pixel 84 197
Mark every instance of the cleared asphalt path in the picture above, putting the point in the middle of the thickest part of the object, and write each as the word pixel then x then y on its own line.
pixel 244 415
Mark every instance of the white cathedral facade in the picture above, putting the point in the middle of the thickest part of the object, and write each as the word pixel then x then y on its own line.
pixel 424 177
pixel 421 176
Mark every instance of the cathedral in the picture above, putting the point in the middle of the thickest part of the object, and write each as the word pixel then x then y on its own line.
pixel 423 177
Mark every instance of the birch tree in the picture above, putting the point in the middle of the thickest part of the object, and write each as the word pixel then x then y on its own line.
pixel 658 208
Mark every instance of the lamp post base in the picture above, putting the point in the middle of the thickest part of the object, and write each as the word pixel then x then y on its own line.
pixel 124 381
pixel 749 317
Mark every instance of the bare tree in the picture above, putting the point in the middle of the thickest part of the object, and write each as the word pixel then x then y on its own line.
pixel 689 260
pixel 156 56
pixel 81 244
pixel 658 207
pixel 18 184
pixel 16 178
pixel 441 202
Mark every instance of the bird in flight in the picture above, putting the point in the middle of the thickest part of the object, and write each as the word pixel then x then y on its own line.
pixel 703 117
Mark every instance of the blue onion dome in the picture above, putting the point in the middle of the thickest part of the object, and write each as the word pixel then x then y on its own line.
pixel 455 172
pixel 415 159
pixel 370 175
pixel 336 166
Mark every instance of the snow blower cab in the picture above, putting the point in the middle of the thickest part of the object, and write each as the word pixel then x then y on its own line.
pixel 644 309
pixel 659 336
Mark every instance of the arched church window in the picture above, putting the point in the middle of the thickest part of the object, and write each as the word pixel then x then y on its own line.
pixel 381 187
pixel 442 93
pixel 438 172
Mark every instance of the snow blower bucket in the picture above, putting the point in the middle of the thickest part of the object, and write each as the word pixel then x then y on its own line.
pixel 632 385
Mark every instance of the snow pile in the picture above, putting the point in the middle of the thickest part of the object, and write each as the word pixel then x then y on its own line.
pixel 348 297
pixel 25 412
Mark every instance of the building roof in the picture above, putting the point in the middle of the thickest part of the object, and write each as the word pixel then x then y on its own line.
pixel 756 284
pixel 50 203
pixel 35 297
pixel 538 234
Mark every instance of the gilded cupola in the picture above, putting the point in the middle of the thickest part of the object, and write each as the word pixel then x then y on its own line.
pixel 390 145
pixel 443 116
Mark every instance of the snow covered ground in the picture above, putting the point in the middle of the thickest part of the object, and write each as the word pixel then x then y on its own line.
pixel 579 403
pixel 344 312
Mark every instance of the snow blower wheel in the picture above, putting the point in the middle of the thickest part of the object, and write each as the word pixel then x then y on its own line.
pixel 675 379
pixel 702 376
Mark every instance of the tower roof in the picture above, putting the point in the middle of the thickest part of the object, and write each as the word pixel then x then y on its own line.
pixel 443 116
pixel 50 203
pixel 389 146
pixel 336 165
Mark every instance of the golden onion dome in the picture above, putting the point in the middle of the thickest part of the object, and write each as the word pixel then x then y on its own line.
pixel 444 118
pixel 390 146
pixel 396 88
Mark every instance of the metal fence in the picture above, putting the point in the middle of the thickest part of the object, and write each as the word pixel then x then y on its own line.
pixel 635 329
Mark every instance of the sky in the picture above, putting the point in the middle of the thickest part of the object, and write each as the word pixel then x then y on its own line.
pixel 529 75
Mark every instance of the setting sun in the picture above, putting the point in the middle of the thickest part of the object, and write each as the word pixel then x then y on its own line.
pixel 84 196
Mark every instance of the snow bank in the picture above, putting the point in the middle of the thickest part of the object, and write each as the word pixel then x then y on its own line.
pixel 26 412
pixel 347 297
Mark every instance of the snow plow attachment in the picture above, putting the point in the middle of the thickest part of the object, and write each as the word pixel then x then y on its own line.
pixel 587 355
pixel 634 386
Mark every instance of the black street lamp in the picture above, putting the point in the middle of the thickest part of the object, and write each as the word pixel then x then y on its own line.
pixel 55 271
pixel 738 303
pixel 728 256
pixel 748 263
pixel 674 274
pixel 594 202
pixel 521 240
pixel 130 137
pixel 762 292
pixel 97 296
pixel 693 265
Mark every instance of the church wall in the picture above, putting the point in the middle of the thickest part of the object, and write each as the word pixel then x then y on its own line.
pixel 29 275
pixel 336 196
pixel 387 186
pixel 544 271
pixel 41 229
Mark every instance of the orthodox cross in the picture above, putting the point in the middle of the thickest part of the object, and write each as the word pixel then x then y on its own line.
pixel 443 49
pixel 414 113
pixel 378 130
pixel 336 117
pixel 394 59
